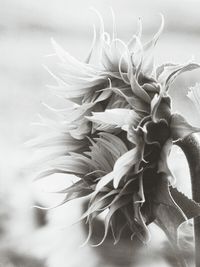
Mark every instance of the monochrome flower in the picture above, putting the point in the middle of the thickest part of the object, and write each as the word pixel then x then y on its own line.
pixel 118 135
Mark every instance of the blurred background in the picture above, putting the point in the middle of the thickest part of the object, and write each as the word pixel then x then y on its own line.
pixel 30 237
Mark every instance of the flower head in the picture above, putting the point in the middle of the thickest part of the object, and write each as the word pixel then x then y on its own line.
pixel 117 137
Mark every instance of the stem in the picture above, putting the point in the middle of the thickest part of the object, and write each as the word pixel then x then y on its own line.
pixel 191 147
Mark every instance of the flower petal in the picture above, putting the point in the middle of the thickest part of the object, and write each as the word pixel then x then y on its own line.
pixel 113 208
pixel 125 163
pixel 117 117
pixel 154 40
pixel 104 181
pixel 138 90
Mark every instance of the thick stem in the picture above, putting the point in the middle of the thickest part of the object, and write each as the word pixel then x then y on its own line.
pixel 191 147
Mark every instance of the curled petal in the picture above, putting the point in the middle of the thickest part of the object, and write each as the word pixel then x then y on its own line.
pixel 194 95
pixel 139 91
pixel 94 43
pixel 117 224
pixel 160 107
pixel 138 227
pixel 180 128
pixel 134 43
pixel 153 42
pixel 171 71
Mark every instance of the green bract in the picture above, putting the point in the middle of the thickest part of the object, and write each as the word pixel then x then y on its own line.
pixel 117 137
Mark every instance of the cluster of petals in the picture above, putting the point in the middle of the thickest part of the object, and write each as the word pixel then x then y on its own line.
pixel 117 136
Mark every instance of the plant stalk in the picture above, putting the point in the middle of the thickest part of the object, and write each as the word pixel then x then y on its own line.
pixel 191 148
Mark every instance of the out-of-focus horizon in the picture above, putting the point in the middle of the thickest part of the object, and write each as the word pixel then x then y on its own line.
pixel 26 28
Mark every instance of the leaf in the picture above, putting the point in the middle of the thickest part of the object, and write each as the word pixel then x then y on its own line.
pixel 190 208
pixel 180 128
pixel 169 217
pixel 180 261
pixel 168 213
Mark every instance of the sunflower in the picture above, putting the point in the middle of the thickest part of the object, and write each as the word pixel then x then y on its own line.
pixel 118 135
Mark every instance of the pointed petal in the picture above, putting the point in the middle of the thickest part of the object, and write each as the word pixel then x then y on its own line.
pixel 125 163
pixel 88 58
pixel 104 181
pixel 113 208
pixel 117 117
